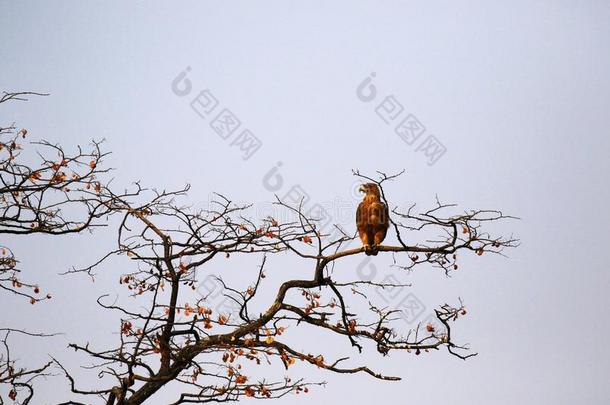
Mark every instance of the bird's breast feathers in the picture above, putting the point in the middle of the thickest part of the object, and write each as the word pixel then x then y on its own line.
pixel 372 214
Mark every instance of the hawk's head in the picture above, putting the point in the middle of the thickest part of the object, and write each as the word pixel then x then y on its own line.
pixel 370 189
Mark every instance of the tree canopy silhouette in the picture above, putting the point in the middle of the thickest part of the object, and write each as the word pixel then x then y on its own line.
pixel 172 339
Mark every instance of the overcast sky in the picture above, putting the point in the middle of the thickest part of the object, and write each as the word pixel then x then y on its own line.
pixel 514 98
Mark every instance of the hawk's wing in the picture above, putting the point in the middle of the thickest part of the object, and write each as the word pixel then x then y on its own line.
pixel 380 211
pixel 361 213
pixel 385 218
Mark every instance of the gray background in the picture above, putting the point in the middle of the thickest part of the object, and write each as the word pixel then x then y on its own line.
pixel 518 92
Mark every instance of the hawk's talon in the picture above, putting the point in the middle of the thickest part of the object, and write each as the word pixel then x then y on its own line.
pixel 374 249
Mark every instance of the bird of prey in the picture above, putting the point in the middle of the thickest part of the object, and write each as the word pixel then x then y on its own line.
pixel 372 219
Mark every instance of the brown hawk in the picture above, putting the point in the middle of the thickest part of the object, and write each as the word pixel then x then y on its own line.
pixel 372 219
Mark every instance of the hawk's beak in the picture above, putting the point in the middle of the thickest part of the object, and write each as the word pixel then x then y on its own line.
pixel 362 189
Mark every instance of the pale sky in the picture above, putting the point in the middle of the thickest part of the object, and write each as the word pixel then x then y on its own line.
pixel 517 93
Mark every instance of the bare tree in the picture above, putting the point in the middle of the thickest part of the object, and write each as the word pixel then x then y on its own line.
pixel 174 337
pixel 59 193
pixel 19 380
pixel 187 343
